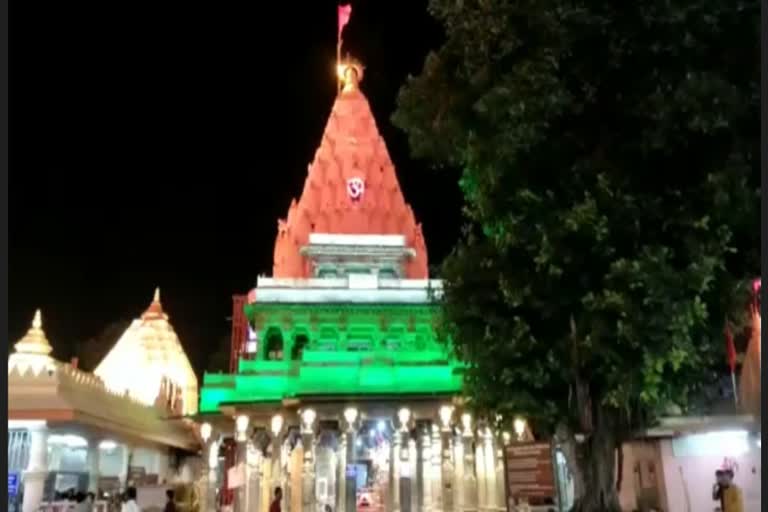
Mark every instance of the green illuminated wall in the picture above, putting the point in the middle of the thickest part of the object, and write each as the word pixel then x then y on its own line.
pixel 336 349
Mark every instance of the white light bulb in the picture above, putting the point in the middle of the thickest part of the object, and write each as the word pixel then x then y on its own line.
pixel 308 416
pixel 205 431
pixel 241 423
pixel 107 445
pixel 276 424
pixel 350 414
pixel 466 422
pixel 404 415
pixel 446 411
pixel 519 426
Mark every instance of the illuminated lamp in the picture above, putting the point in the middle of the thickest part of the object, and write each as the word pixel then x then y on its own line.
pixel 446 411
pixel 107 445
pixel 241 425
pixel 404 415
pixel 308 418
pixel 350 414
pixel 519 426
pixel 466 422
pixel 276 424
pixel 506 437
pixel 205 431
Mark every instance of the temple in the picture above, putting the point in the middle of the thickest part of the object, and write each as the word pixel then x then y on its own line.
pixel 342 389
pixel 70 429
pixel 340 375
pixel 150 343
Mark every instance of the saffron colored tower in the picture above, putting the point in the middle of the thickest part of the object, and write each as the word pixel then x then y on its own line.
pixel 340 390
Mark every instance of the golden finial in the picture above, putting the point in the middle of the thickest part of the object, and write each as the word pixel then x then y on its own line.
pixel 34 342
pixel 37 321
pixel 157 295
pixel 350 74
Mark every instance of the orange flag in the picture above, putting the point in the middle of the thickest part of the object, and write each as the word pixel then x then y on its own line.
pixel 345 11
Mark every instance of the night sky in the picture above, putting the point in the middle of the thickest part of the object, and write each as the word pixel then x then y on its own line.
pixel 157 145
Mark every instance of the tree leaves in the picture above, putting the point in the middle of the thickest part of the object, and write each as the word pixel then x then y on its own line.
pixel 609 158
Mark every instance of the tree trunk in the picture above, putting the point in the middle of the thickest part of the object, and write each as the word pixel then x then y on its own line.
pixel 595 465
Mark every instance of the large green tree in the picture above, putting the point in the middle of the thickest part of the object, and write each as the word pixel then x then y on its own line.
pixel 610 173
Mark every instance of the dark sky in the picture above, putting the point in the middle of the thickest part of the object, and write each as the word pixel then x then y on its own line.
pixel 158 144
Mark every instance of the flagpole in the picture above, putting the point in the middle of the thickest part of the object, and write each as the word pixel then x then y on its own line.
pixel 338 63
pixel 731 349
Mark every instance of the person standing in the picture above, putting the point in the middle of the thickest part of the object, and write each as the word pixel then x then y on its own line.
pixel 130 504
pixel 170 505
pixel 728 493
pixel 275 505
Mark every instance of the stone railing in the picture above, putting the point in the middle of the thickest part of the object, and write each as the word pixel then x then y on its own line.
pixel 70 375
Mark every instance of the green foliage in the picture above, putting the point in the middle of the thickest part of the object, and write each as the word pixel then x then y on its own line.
pixel 610 173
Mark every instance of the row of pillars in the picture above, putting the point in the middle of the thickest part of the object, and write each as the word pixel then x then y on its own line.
pixel 37 467
pixel 437 465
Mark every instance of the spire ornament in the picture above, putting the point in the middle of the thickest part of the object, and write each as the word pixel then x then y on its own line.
pixel 155 309
pixel 33 350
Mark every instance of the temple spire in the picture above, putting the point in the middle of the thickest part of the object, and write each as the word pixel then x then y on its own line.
pixel 155 309
pixel 37 321
pixel 34 341
pixel 33 351
pixel 351 188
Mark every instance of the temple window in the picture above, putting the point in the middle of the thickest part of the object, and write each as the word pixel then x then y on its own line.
pixel 328 339
pixel 387 273
pixel 274 345
pixel 326 272
pixel 299 344
pixel 358 345
pixel 391 344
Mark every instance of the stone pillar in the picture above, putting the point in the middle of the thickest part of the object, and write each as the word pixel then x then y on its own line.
pixel 501 481
pixel 436 471
pixel 276 472
pixel 489 457
pixel 241 452
pixel 469 477
pixel 427 479
pixel 127 452
pixel 351 481
pixel 482 487
pixel 341 494
pixel 406 472
pixel 267 466
pixel 208 497
pixel 308 469
pixel 394 471
pixel 37 469
pixel 92 461
pixel 295 485
pixel 458 476
pixel 253 460
pixel 447 470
